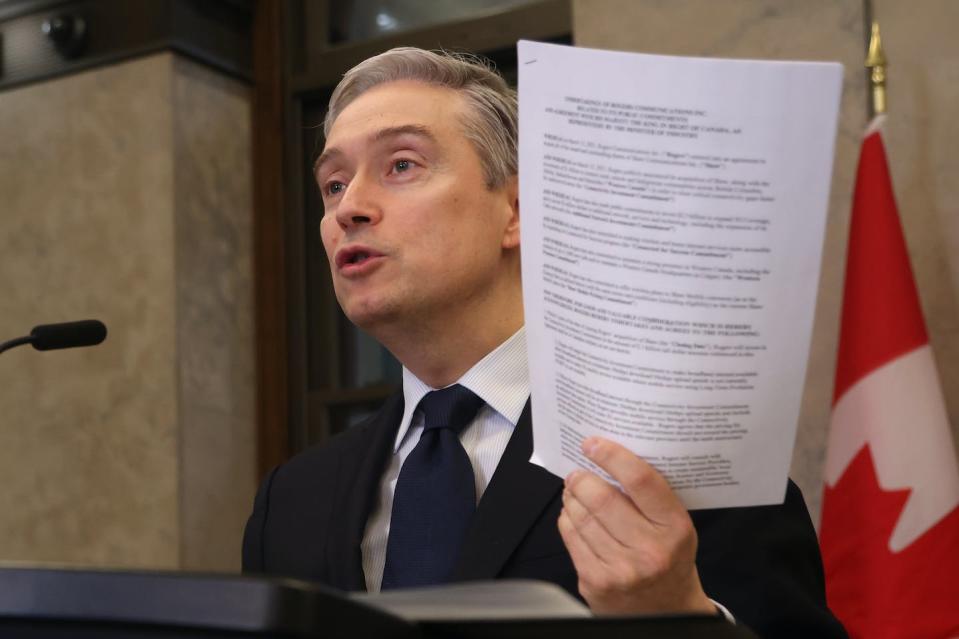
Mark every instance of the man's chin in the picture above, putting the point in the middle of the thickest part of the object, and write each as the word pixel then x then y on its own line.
pixel 370 316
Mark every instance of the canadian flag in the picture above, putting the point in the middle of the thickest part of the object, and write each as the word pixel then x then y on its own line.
pixel 890 517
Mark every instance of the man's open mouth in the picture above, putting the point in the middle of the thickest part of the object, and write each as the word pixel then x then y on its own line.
pixel 354 256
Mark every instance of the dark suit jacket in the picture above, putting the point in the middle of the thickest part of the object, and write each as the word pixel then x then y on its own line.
pixel 310 514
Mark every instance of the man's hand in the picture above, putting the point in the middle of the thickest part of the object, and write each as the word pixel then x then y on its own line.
pixel 635 553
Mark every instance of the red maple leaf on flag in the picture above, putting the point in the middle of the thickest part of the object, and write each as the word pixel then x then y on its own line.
pixel 911 594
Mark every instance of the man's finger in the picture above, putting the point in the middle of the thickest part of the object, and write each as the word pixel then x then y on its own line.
pixel 592 531
pixel 647 489
pixel 584 559
pixel 614 510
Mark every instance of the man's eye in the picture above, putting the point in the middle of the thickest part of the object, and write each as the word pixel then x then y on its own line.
pixel 401 165
pixel 334 188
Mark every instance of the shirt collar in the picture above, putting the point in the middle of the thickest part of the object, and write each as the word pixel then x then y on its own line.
pixel 501 379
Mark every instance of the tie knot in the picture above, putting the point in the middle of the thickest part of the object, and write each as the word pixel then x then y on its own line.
pixel 453 407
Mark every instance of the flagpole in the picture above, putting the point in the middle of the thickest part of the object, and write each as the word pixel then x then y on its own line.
pixel 876 63
pixel 867 14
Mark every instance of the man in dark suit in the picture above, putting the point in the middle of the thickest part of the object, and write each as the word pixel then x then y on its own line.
pixel 421 227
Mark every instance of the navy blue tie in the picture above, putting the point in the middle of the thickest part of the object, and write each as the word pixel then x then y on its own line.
pixel 435 495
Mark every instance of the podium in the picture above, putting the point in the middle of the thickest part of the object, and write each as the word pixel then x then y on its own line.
pixel 44 603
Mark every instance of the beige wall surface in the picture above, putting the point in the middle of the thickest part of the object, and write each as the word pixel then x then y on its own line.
pixel 125 197
pixel 921 134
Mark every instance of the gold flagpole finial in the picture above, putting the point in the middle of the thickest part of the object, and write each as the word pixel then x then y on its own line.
pixel 876 62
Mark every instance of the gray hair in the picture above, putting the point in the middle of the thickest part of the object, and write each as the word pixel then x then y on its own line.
pixel 491 122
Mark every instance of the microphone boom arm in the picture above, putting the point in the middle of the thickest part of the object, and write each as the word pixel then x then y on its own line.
pixel 20 341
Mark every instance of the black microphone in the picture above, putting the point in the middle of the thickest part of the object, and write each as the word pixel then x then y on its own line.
pixel 48 337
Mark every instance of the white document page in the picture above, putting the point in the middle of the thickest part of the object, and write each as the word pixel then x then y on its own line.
pixel 673 212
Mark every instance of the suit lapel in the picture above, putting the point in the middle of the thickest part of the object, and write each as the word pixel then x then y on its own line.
pixel 514 500
pixel 357 486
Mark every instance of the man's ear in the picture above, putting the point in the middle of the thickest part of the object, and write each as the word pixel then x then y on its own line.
pixel 511 231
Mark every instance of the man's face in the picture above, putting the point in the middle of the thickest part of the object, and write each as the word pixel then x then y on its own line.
pixel 410 228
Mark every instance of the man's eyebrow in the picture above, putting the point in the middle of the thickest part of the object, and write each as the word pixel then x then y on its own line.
pixel 325 156
pixel 380 135
pixel 405 129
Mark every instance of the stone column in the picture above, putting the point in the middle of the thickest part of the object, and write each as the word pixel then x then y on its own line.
pixel 126 197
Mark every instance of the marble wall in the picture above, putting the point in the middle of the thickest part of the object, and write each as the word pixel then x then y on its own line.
pixel 920 133
pixel 126 197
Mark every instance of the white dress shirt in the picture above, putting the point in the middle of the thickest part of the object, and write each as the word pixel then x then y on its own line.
pixel 501 380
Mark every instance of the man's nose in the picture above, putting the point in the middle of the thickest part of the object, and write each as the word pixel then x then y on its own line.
pixel 359 204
